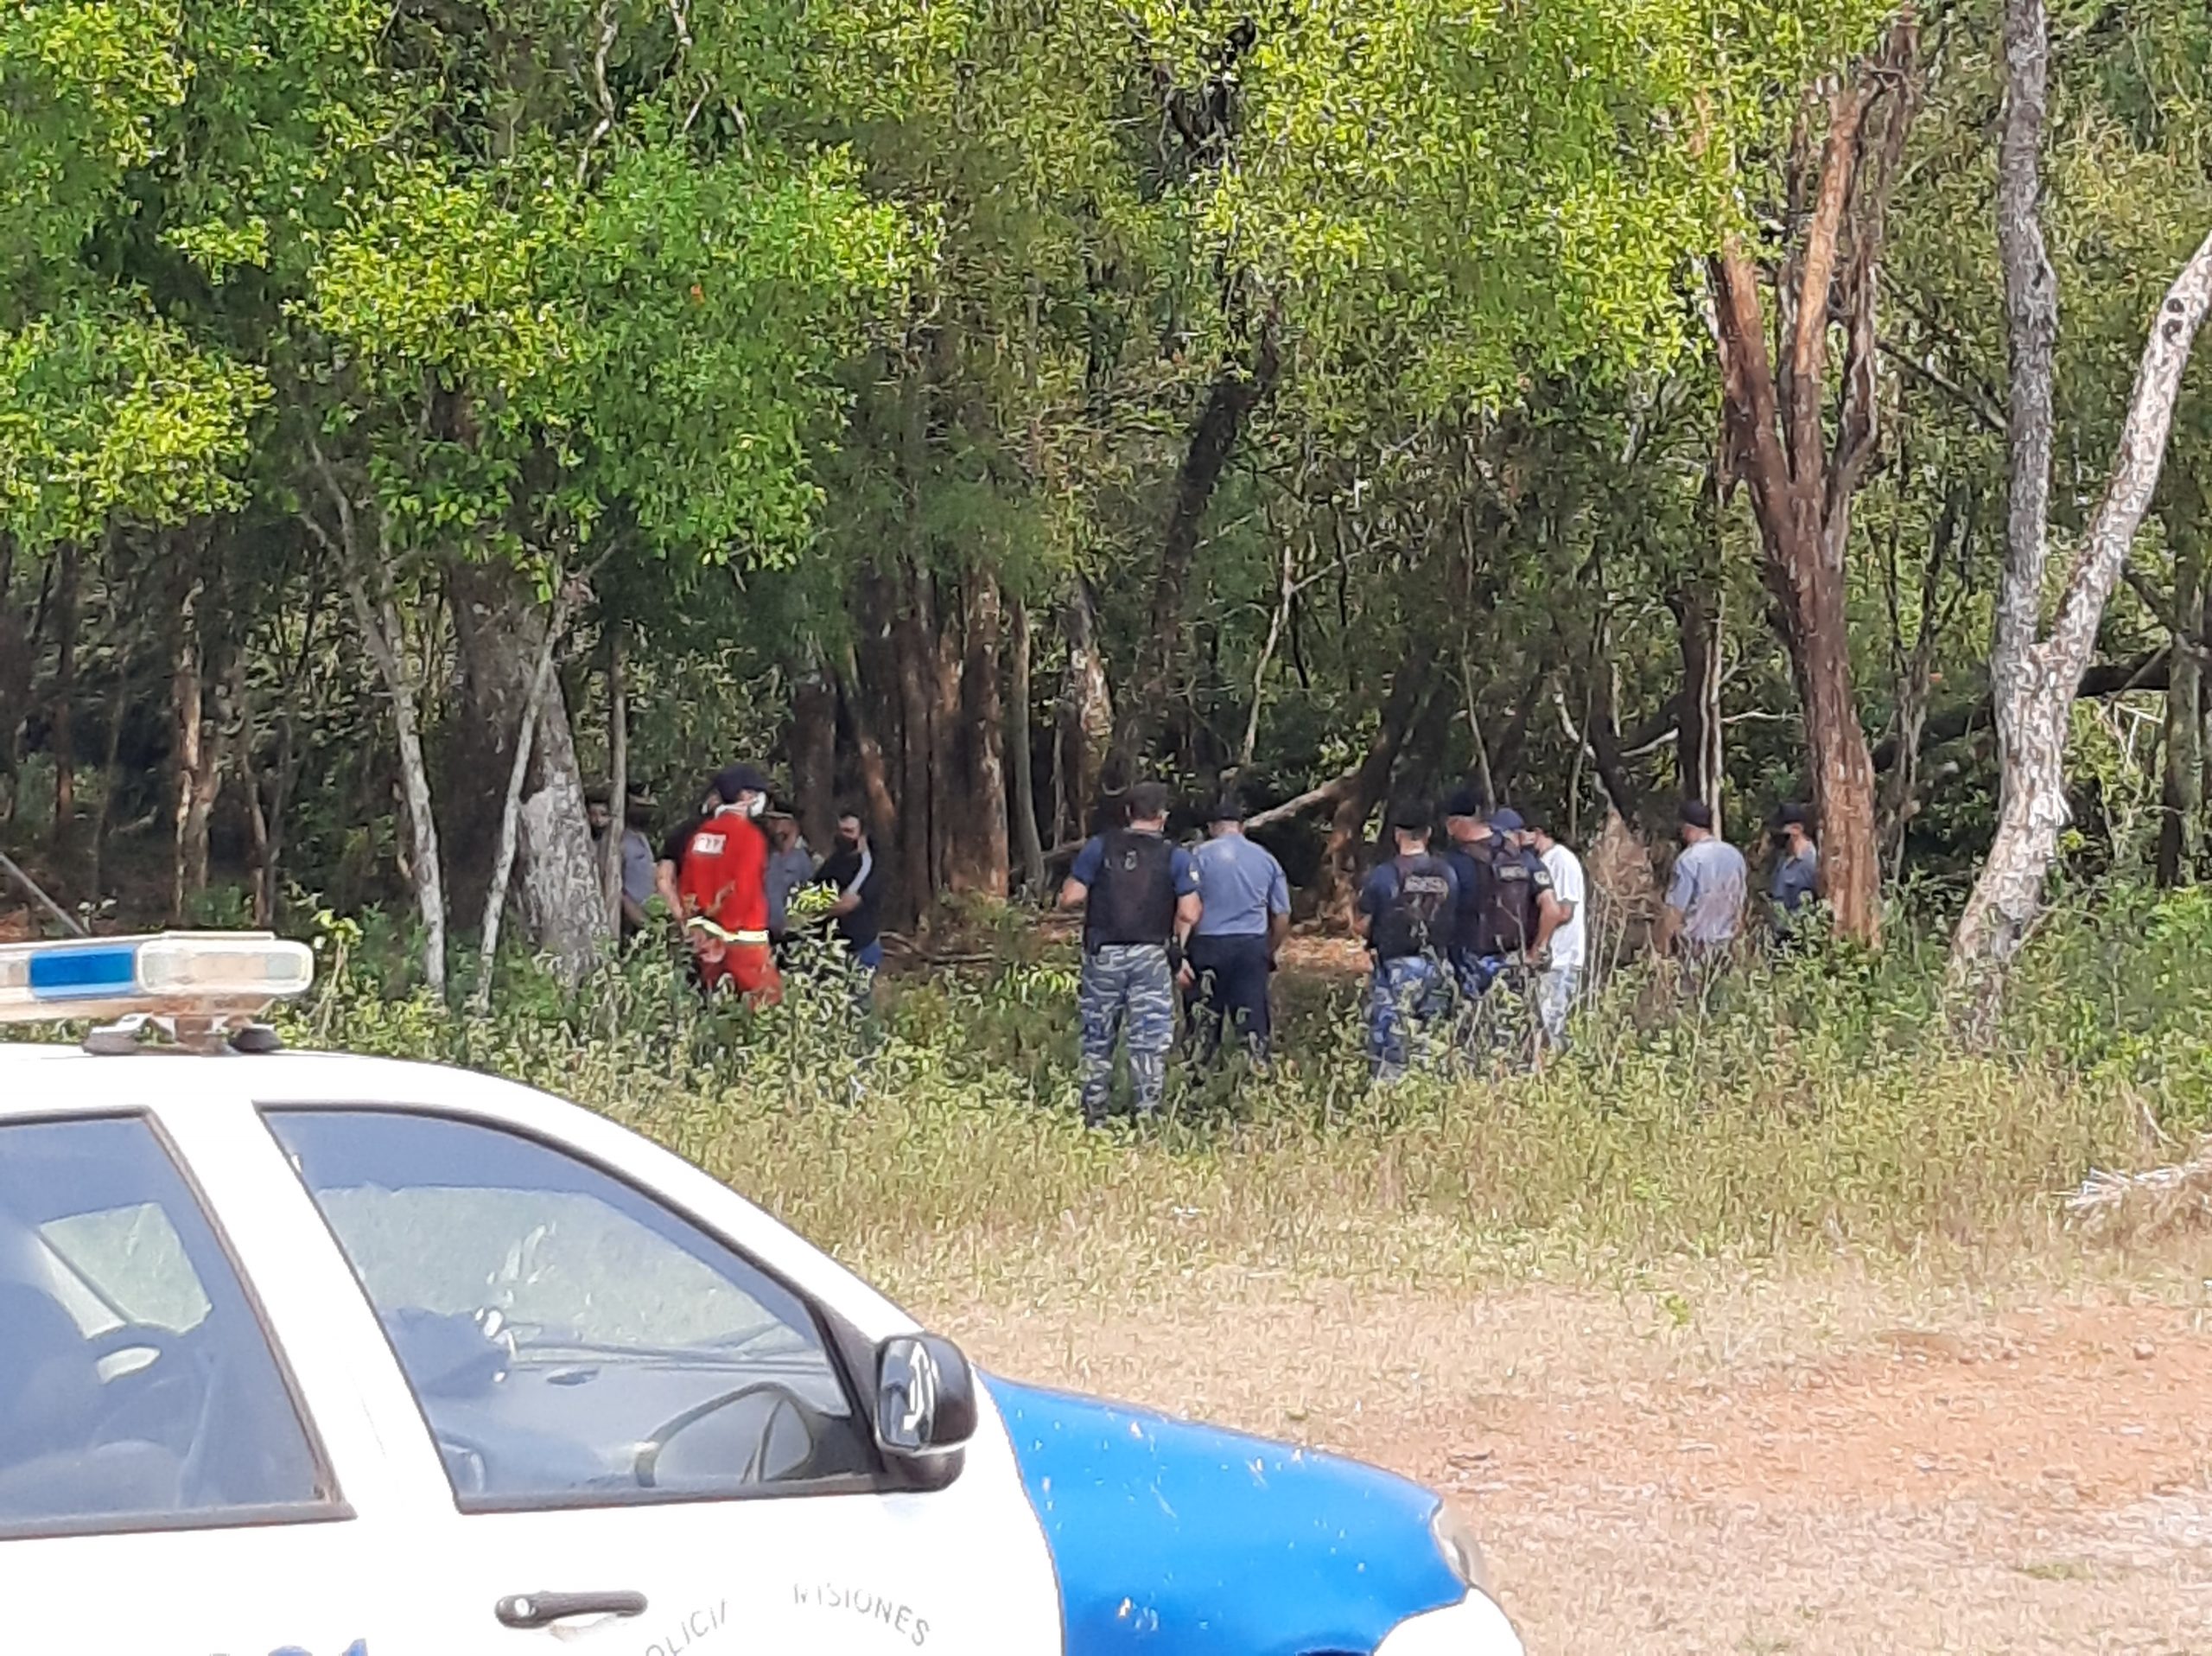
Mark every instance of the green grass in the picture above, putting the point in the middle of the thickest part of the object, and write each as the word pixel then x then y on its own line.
pixel 1820 1104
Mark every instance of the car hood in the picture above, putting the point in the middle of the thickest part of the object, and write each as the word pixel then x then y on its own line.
pixel 1175 1538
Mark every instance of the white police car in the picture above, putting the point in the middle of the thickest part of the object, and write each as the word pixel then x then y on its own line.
pixel 304 1354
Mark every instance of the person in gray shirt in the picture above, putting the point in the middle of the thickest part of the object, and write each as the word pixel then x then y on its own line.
pixel 1705 901
pixel 791 865
pixel 1796 883
pixel 1244 917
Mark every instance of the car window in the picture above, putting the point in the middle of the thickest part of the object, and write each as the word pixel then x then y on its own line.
pixel 137 1387
pixel 568 1338
pixel 132 1263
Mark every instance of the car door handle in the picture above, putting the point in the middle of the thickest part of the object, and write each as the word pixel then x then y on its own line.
pixel 543 1609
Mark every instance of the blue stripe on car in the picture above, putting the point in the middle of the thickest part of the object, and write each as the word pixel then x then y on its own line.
pixel 1179 1539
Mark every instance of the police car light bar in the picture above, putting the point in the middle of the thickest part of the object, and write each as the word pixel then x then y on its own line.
pixel 212 975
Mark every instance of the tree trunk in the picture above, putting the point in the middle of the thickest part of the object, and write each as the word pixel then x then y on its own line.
pixel 1086 712
pixel 2036 696
pixel 813 749
pixel 975 837
pixel 1235 392
pixel 881 802
pixel 1696 605
pixel 618 774
pixel 2183 794
pixel 380 630
pixel 62 740
pixel 501 631
pixel 1357 803
pixel 503 859
pixel 1029 843
pixel 1801 477
pixel 197 761
pixel 914 640
pixel 18 676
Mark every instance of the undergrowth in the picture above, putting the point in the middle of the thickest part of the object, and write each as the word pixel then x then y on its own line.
pixel 1816 1102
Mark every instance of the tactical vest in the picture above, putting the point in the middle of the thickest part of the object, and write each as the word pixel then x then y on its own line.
pixel 1507 919
pixel 1418 918
pixel 1133 899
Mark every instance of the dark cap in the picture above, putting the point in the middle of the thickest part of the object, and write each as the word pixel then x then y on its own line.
pixel 598 794
pixel 1698 814
pixel 1410 816
pixel 1463 802
pixel 1146 801
pixel 1793 816
pixel 1226 808
pixel 1506 821
pixel 734 780
pixel 778 807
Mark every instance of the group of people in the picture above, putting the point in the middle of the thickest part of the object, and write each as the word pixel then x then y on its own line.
pixel 729 874
pixel 1158 919
pixel 1495 916
pixel 1504 902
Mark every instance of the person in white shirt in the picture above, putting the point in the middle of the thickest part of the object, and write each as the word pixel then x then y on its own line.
pixel 1560 978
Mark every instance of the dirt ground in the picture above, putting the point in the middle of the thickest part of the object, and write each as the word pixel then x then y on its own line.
pixel 1753 1467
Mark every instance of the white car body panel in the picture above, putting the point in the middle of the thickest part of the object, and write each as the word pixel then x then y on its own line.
pixel 961 1569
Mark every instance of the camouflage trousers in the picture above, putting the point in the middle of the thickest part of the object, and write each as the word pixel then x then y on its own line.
pixel 1126 987
pixel 1406 1000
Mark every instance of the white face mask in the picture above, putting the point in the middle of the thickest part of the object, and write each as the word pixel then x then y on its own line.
pixel 753 803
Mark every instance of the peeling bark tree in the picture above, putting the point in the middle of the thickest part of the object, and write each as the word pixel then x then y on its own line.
pixel 1086 715
pixel 975 852
pixel 501 630
pixel 2035 671
pixel 1801 477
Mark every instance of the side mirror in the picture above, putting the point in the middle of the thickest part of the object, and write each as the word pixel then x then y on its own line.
pixel 924 1397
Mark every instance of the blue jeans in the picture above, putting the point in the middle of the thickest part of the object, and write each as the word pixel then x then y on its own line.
pixel 1406 998
pixel 1230 994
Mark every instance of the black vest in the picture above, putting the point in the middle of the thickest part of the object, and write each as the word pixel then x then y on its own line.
pixel 1418 918
pixel 1133 899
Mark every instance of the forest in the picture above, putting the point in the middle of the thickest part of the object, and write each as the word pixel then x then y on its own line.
pixel 414 413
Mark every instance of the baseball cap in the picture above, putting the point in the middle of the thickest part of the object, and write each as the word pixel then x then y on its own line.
pixel 1794 815
pixel 734 780
pixel 1506 821
pixel 1698 814
pixel 1463 802
pixel 1226 808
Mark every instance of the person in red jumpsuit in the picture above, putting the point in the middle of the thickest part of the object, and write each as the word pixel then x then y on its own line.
pixel 722 884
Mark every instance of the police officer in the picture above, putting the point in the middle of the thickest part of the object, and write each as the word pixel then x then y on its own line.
pixel 1245 916
pixel 1512 915
pixel 1406 916
pixel 1140 896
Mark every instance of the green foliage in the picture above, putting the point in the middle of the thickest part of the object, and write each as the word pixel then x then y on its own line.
pixel 117 416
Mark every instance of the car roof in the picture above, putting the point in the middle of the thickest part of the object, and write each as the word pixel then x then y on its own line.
pixel 49 1079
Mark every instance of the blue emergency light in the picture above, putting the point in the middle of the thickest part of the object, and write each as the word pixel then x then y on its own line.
pixel 213 975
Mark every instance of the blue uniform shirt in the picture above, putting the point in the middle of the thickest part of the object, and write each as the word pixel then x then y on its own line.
pixel 1241 884
pixel 1090 862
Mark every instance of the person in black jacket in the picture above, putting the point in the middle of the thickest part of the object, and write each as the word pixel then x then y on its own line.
pixel 1139 897
pixel 1407 913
